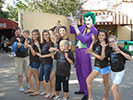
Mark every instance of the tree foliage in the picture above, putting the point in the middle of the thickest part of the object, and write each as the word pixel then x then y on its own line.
pixel 60 7
pixel 3 14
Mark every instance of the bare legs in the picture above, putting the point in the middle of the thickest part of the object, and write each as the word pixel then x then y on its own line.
pixel 29 80
pixel 106 85
pixel 89 80
pixel 36 75
pixel 20 80
pixel 116 92
pixel 52 82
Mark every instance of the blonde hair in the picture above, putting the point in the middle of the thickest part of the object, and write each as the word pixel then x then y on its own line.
pixel 113 36
pixel 67 43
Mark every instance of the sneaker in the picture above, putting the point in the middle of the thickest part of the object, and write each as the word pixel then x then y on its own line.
pixel 21 89
pixel 12 54
pixel 64 98
pixel 56 98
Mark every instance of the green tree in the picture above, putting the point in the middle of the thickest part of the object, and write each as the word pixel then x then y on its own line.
pixel 3 14
pixel 13 11
pixel 60 7
pixel 1 3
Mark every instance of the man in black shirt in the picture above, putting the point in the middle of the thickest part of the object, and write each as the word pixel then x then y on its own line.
pixel 21 59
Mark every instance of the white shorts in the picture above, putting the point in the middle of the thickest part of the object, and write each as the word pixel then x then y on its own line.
pixel 117 77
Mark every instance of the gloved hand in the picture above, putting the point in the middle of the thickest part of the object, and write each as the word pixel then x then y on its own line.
pixel 74 23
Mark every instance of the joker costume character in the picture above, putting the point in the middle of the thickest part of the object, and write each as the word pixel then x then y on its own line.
pixel 83 60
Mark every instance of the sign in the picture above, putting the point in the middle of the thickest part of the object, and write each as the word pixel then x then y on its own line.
pixel 104 18
pixel 2 25
pixel 130 47
pixel 7 24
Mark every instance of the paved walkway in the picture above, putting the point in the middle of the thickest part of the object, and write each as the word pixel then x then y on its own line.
pixel 9 84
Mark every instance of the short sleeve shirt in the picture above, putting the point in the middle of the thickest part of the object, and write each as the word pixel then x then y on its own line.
pixel 45 50
pixel 63 67
pixel 34 58
pixel 117 60
pixel 97 48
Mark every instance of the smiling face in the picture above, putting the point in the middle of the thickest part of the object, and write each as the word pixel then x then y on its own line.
pixel 17 33
pixel 62 32
pixel 101 36
pixel 88 21
pixel 46 36
pixel 62 47
pixel 112 42
pixel 35 36
pixel 26 35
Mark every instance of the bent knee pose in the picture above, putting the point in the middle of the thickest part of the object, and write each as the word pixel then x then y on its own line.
pixel 99 66
pixel 118 57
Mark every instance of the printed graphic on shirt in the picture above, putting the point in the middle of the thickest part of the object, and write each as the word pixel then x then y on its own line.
pixel 97 50
pixel 62 58
pixel 44 48
pixel 114 57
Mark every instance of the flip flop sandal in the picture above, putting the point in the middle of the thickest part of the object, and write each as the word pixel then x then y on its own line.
pixel 43 93
pixel 28 91
pixel 46 96
pixel 51 96
pixel 34 94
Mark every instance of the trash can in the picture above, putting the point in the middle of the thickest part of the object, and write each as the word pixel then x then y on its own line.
pixel 128 45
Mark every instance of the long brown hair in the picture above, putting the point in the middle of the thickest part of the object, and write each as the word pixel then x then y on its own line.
pixel 37 32
pixel 44 41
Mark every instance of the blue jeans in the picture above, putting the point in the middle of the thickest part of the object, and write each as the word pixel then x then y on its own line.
pixel 45 71
pixel 15 47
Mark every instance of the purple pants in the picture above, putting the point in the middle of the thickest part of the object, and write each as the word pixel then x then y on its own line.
pixel 83 68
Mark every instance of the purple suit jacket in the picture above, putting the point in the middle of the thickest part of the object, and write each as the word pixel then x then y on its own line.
pixel 86 39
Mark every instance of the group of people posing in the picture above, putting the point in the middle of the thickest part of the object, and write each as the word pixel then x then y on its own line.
pixel 109 57
pixel 50 60
pixel 44 58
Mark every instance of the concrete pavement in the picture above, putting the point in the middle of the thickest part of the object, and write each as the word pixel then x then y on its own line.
pixel 9 84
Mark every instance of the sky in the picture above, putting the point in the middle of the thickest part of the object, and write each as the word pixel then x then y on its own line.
pixel 10 3
pixel 125 9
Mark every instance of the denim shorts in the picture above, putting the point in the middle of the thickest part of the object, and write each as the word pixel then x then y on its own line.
pixel 34 65
pixel 102 70
pixel 54 65
pixel 45 71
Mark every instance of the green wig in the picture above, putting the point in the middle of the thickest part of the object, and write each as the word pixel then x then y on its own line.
pixel 92 15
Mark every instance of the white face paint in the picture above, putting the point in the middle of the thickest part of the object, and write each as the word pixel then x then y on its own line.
pixel 88 21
